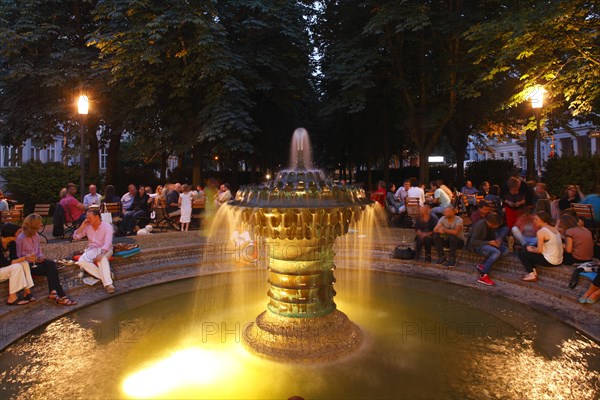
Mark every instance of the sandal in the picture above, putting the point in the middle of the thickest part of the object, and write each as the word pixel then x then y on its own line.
pixel 53 296
pixel 30 297
pixel 19 301
pixel 65 301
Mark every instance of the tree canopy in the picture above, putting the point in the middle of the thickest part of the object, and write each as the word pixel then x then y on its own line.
pixel 373 80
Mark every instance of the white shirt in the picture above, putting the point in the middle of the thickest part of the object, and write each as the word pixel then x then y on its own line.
pixel 126 201
pixel 416 191
pixel 401 194
pixel 91 199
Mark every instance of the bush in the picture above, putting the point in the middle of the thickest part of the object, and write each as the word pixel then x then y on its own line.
pixel 494 171
pixel 573 170
pixel 37 182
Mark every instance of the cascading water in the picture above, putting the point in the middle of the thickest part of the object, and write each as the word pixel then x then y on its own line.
pixel 296 219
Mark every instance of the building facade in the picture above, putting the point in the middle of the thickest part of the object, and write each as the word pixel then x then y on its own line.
pixel 585 142
pixel 14 156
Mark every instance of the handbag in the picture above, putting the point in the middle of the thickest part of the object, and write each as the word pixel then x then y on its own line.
pixel 403 252
pixel 106 216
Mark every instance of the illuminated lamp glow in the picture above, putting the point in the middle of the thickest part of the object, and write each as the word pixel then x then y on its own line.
pixel 439 159
pixel 83 104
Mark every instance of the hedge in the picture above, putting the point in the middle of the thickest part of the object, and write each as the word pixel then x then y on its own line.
pixel 37 182
pixel 494 171
pixel 573 170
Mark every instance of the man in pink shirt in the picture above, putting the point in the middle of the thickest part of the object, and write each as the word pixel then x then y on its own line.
pixel 74 210
pixel 94 259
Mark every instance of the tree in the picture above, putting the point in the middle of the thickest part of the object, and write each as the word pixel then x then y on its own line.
pixel 41 58
pixel 552 43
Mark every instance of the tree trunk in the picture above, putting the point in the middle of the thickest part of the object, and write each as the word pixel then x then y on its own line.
pixel 386 142
pixel 460 166
pixel 369 176
pixel 112 161
pixel 94 167
pixel 530 154
pixel 197 165
pixel 163 167
pixel 424 168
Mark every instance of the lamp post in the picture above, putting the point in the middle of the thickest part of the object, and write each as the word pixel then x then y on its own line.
pixel 83 105
pixel 537 102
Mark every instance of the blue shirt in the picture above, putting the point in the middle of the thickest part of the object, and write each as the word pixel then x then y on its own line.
pixel 594 200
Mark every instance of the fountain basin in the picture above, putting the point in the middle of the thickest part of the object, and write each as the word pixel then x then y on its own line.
pixel 422 339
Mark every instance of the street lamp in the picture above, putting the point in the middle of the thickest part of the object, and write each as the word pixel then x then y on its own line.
pixel 537 102
pixel 83 105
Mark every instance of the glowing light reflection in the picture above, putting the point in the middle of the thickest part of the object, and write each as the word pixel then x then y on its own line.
pixel 184 369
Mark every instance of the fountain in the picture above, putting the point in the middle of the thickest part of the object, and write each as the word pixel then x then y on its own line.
pixel 298 216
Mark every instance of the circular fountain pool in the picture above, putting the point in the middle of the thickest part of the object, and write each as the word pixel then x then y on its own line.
pixel 422 339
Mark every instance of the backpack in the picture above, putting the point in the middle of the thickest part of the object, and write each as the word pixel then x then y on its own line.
pixel 403 252
pixel 58 220
pixel 587 269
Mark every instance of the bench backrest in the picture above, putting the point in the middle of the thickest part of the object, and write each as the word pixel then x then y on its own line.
pixel 12 216
pixel 43 210
pixel 115 210
pixel 583 211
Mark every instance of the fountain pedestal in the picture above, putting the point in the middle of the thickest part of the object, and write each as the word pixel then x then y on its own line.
pixel 299 215
pixel 301 323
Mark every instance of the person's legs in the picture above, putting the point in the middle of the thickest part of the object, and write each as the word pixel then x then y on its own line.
pixel 418 246
pixel 439 246
pixel 502 232
pixel 104 267
pixel 530 260
pixel 492 255
pixel 428 241
pixel 48 269
pixel 128 221
pixel 453 245
pixel 519 237
pixel 16 280
pixel 568 259
pixel 438 210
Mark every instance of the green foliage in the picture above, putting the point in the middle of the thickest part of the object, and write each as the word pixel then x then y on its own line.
pixel 573 170
pixel 552 43
pixel 37 182
pixel 494 171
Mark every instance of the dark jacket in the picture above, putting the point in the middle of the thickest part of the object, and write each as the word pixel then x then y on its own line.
pixel 12 255
pixel 481 233
pixel 140 203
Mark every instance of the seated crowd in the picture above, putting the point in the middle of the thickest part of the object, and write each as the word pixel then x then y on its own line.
pixel 520 216
pixel 22 256
pixel 491 222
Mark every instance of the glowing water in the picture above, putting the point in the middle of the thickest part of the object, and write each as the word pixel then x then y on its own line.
pixel 300 146
pixel 428 340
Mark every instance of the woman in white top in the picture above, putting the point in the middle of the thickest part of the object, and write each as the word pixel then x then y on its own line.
pixel 549 250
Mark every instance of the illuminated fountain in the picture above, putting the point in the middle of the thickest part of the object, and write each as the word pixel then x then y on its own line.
pixel 298 216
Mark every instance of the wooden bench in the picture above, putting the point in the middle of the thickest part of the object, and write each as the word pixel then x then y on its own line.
pixel 198 212
pixel 43 210
pixel 585 212
pixel 115 211
pixel 11 216
pixel 21 209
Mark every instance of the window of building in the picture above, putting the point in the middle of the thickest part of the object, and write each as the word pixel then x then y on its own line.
pixel 5 156
pixel 51 153
pixel 103 158
pixel 584 145
pixel 566 145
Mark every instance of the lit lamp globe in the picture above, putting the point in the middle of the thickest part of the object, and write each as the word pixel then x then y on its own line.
pixel 83 105
pixel 537 96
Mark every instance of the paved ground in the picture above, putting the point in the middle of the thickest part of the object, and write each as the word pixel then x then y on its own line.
pixel 178 255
